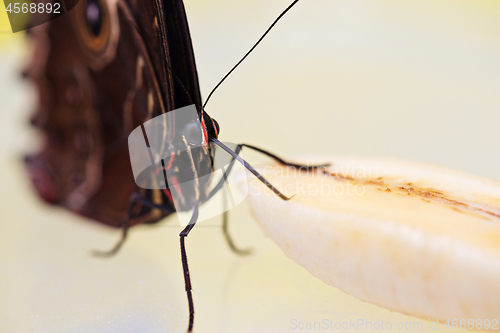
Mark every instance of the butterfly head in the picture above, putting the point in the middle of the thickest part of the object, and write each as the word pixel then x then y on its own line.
pixel 210 127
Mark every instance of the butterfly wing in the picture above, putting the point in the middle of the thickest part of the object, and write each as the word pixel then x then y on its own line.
pixel 97 80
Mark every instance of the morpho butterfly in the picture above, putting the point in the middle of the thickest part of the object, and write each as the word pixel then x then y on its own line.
pixel 102 70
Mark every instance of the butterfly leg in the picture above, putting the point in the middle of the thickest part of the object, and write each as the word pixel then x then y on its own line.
pixel 283 162
pixel 255 172
pixel 225 221
pixel 124 226
pixel 185 268
pixel 225 227
pixel 106 254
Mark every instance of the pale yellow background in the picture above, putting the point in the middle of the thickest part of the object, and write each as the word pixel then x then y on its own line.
pixel 409 79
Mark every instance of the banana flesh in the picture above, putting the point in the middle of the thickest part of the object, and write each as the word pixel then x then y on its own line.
pixel 414 238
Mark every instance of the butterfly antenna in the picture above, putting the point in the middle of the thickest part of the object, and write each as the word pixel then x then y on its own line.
pixel 250 51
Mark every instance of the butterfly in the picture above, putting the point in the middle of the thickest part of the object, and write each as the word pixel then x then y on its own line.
pixel 103 71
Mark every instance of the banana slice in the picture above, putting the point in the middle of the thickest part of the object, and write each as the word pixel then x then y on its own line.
pixel 414 238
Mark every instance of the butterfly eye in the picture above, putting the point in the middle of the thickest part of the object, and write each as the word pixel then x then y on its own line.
pixel 94 16
pixel 217 128
pixel 93 23
pixel 193 133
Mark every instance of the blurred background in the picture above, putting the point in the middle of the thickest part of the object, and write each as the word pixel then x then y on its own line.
pixel 405 79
